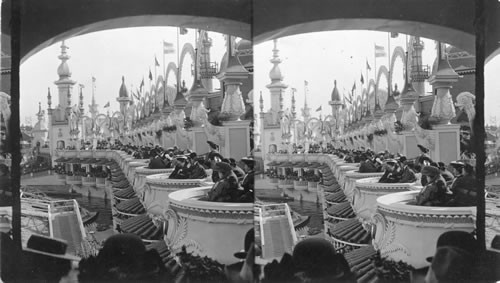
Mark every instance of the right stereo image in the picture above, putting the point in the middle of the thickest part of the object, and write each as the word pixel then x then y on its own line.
pixel 368 137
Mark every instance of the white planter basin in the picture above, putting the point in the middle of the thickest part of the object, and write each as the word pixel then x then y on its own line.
pixel 159 186
pixel 367 190
pixel 140 177
pixel 409 232
pixel 341 170
pixel 131 169
pixel 214 229
pixel 350 180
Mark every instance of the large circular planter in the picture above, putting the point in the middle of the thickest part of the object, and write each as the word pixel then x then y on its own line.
pixel 159 186
pixel 131 169
pixel 140 177
pixel 350 180
pixel 341 170
pixel 409 232
pixel 367 190
pixel 214 229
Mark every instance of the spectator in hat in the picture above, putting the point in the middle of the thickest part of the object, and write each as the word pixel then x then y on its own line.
pixel 464 187
pixel 45 259
pixel 248 183
pixel 236 169
pixel 124 258
pixel 435 192
pixel 447 175
pixel 244 270
pixel 181 170
pixel 366 165
pixel 226 189
pixel 391 172
pixel 406 174
pixel 157 162
pixel 455 259
pixel 213 154
pixel 196 171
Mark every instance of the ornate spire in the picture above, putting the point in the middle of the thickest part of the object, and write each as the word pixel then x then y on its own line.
pixel 294 113
pixel 63 70
pixel 261 103
pixel 123 89
pixel 275 73
pixel 49 98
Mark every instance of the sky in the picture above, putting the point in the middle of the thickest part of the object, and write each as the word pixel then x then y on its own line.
pixel 107 56
pixel 322 57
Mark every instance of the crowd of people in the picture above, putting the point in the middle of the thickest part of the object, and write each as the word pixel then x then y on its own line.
pixel 452 185
pixel 233 182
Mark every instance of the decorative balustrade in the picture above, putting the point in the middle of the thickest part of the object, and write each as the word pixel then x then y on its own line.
pixel 140 177
pixel 100 182
pixel 88 181
pixel 214 229
pixel 409 232
pixel 74 180
pixel 300 185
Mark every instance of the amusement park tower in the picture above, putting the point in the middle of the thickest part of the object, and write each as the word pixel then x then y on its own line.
pixel 59 117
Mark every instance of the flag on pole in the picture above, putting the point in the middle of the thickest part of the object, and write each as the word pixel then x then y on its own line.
pixel 183 31
pixel 379 51
pixel 319 108
pixel 362 79
pixel 106 105
pixel 168 48
pixel 156 62
pixel 368 66
pixel 354 86
pixel 150 75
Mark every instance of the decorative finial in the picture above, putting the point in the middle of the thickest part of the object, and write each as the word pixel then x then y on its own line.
pixel 49 97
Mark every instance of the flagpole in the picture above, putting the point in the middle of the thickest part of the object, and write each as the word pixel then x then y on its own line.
pixel 389 64
pixel 178 59
pixel 164 76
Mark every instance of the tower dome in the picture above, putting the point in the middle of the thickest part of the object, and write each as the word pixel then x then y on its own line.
pixel 123 89
pixel 63 70
pixel 335 92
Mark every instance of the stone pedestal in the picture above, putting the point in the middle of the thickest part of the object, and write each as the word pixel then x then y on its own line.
pixel 410 149
pixel 237 136
pixel 447 143
pixel 199 139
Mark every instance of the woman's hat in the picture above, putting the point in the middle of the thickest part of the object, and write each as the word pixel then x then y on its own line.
pixel 212 144
pixel 457 164
pixel 181 157
pixel 248 160
pixel 47 246
pixel 430 171
pixel 317 258
pixel 223 167
pixel 423 148
pixel 249 239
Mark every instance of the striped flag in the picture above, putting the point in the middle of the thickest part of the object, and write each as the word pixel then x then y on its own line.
pixel 168 48
pixel 379 51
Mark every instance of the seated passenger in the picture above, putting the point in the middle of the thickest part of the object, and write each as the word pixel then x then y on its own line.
pixel 157 162
pixel 391 172
pixel 181 170
pixel 435 192
pixel 448 177
pixel 367 166
pixel 248 183
pixel 464 188
pixel 236 169
pixel 406 175
pixel 196 171
pixel 227 188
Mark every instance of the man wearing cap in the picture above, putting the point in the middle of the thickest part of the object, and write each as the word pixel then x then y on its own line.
pixel 435 192
pixel 196 171
pixel 181 170
pixel 455 258
pixel 226 189
pixel 391 172
pixel 248 183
